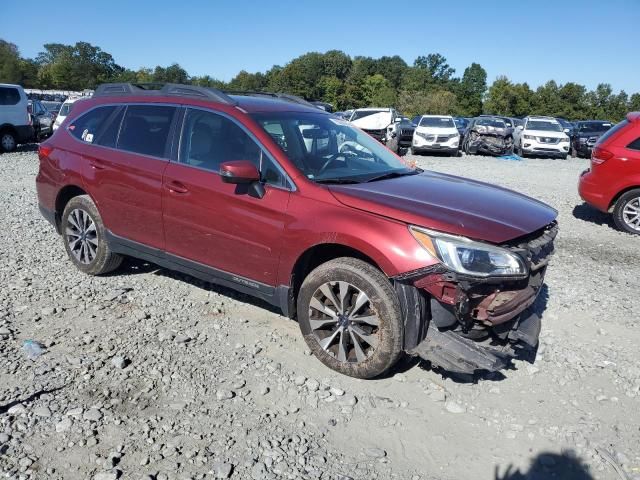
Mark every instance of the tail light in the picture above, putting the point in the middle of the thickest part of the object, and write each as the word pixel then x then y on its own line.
pixel 600 155
pixel 44 151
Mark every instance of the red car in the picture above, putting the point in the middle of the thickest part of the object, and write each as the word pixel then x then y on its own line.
pixel 271 196
pixel 613 181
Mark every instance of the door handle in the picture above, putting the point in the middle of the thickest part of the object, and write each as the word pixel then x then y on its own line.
pixel 177 187
pixel 96 165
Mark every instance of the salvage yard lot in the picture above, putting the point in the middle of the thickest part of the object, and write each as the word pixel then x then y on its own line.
pixel 149 372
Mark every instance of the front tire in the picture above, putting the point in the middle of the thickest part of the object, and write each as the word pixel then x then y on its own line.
pixel 626 213
pixel 350 318
pixel 8 141
pixel 84 237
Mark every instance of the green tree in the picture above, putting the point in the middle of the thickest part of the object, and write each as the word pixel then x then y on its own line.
pixel 10 63
pixel 248 81
pixel 471 90
pixel 392 68
pixel 336 64
pixel 436 66
pixel 377 91
pixel 435 102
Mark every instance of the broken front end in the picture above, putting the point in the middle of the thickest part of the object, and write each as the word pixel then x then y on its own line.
pixel 466 322
pixel 490 141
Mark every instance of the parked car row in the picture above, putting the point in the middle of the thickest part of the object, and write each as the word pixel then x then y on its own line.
pixel 24 118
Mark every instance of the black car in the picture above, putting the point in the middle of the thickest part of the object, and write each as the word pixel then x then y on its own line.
pixel 461 124
pixel 585 135
pixel 567 126
pixel 405 129
pixel 42 120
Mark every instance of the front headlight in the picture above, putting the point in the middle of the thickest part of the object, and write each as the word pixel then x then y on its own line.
pixel 467 257
pixel 565 139
pixel 426 136
pixel 529 137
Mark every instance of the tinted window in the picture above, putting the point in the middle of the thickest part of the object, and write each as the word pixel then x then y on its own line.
pixel 65 109
pixel 145 129
pixel 87 126
pixel 437 122
pixel 613 130
pixel 9 96
pixel 109 136
pixel 209 139
pixel 635 145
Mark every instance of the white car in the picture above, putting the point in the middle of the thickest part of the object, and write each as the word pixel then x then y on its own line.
pixel 64 111
pixel 541 137
pixel 381 123
pixel 15 121
pixel 435 133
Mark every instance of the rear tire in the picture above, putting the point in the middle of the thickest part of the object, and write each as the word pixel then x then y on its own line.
pixel 626 213
pixel 8 141
pixel 84 237
pixel 350 318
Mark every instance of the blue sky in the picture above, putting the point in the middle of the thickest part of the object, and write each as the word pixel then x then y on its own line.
pixel 586 41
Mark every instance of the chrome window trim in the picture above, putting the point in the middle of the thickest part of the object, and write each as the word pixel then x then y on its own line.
pixel 291 185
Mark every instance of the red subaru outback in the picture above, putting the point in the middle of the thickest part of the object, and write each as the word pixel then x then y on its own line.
pixel 271 196
pixel 613 181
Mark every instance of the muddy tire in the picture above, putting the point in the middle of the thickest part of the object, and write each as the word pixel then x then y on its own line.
pixel 350 318
pixel 626 212
pixel 84 237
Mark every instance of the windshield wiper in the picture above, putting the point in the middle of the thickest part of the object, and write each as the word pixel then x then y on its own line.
pixel 388 175
pixel 336 180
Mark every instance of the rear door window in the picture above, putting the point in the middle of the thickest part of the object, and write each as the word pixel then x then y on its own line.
pixel 145 129
pixel 109 135
pixel 87 127
pixel 9 96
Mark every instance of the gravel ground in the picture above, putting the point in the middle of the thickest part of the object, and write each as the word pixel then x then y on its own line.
pixel 151 374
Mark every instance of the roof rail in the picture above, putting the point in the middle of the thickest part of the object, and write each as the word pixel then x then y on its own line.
pixel 163 89
pixel 283 96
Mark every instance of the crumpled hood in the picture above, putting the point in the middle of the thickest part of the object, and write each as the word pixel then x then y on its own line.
pixel 450 204
pixel 376 121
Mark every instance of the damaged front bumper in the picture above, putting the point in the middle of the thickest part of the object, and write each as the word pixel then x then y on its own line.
pixel 491 144
pixel 476 324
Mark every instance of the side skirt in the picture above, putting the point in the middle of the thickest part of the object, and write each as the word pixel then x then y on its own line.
pixel 276 296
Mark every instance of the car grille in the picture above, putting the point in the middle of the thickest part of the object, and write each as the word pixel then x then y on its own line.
pixel 498 141
pixel 406 132
pixel 444 138
pixel 592 140
pixel 549 140
pixel 538 247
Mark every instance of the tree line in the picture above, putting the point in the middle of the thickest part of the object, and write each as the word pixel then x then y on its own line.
pixel 428 86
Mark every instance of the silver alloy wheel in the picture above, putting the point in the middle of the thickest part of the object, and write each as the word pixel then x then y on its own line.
pixel 631 214
pixel 82 236
pixel 344 322
pixel 8 142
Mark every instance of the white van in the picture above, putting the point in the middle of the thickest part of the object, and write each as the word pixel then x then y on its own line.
pixel 15 121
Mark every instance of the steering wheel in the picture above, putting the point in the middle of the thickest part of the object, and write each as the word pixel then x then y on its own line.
pixel 330 160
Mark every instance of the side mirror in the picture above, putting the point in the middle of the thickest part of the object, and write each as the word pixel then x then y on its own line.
pixel 239 172
pixel 397 120
pixel 520 127
pixel 566 130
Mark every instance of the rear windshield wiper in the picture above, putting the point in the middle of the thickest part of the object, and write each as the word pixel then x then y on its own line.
pixel 388 175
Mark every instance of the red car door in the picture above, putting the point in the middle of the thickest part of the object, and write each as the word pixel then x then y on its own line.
pixel 125 178
pixel 215 223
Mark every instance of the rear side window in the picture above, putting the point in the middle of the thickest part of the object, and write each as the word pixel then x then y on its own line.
pixel 87 126
pixel 635 145
pixel 612 131
pixel 109 135
pixel 145 129
pixel 9 96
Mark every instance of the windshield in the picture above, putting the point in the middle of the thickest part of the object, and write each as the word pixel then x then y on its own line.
pixel 365 113
pixel 52 107
pixel 461 122
pixel 327 149
pixel 544 125
pixel 65 109
pixel 491 122
pixel 437 122
pixel 596 127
